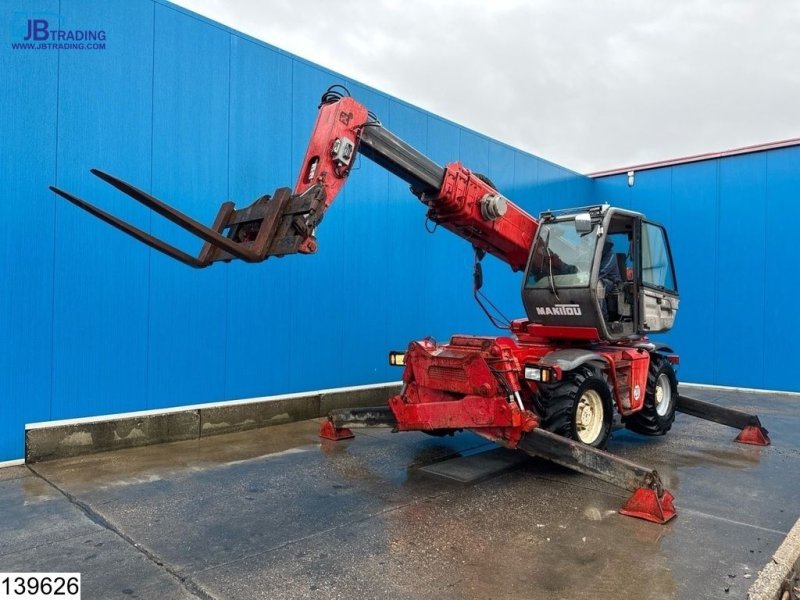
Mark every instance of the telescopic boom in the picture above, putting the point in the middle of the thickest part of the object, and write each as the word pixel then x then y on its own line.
pixel 286 222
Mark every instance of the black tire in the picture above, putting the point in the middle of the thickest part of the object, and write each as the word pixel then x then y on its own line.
pixel 648 421
pixel 560 403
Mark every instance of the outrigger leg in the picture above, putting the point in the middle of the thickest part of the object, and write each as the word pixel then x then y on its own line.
pixel 337 425
pixel 650 500
pixel 752 432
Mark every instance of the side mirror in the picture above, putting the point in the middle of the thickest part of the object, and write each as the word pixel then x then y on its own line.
pixel 583 223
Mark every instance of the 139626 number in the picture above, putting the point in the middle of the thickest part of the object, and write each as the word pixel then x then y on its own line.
pixel 39 586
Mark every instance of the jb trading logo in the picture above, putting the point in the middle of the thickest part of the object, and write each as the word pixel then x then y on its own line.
pixel 50 34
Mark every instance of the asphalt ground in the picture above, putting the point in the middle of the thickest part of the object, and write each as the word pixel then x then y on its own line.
pixel 276 513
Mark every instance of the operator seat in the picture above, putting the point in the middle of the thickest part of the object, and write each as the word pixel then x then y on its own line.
pixel 622 266
pixel 611 275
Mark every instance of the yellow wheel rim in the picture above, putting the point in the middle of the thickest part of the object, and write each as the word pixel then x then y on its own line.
pixel 589 417
pixel 663 395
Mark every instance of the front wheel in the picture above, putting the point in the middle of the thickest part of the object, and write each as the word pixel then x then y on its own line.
pixel 579 406
pixel 658 412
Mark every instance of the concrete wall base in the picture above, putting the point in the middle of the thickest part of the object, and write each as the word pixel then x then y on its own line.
pixel 62 439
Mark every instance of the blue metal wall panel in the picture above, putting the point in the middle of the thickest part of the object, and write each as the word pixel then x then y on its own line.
pixel 101 277
pixel 693 241
pixel 405 241
pixel 318 290
pixel 781 328
pixel 260 159
pixel 188 307
pixel 500 285
pixel 27 163
pixel 552 188
pixel 740 272
pixel 473 151
pixel 448 260
pixel 501 169
pixel 526 178
pixel 613 190
pixel 652 195
pixel 580 190
pixel 362 257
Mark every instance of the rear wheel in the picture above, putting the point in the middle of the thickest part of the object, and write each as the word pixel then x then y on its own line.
pixel 579 406
pixel 658 412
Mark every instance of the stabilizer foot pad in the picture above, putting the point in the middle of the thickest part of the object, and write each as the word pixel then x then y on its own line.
pixel 646 504
pixel 329 432
pixel 754 435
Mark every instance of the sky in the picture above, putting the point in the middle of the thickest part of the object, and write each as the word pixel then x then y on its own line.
pixel 588 85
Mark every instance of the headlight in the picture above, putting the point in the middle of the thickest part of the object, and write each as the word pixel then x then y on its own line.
pixel 537 374
pixel 533 373
pixel 397 359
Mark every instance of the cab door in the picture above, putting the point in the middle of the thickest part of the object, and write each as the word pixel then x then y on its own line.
pixel 658 289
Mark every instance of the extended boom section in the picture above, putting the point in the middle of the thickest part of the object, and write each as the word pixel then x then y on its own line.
pixel 457 199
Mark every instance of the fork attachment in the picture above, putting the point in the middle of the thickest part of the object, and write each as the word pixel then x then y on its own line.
pixel 270 226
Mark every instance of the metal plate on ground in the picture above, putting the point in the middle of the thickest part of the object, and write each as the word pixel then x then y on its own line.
pixel 474 467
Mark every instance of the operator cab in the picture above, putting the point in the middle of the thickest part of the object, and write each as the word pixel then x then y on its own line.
pixel 600 272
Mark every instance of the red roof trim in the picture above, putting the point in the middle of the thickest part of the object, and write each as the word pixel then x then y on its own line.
pixel 698 157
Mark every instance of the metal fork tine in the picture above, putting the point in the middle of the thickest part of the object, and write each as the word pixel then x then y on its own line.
pixel 132 231
pixel 209 235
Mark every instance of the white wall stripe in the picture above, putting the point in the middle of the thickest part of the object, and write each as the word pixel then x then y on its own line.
pixel 738 389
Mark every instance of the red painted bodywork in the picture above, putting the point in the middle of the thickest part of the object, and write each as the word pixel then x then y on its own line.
pixel 476 382
pixel 453 386
pixel 457 208
pixel 337 120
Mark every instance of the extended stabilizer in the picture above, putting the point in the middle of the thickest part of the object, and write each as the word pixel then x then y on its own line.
pixel 271 226
pixel 649 500
pixel 751 431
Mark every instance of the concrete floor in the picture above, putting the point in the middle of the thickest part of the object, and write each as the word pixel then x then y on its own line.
pixel 272 513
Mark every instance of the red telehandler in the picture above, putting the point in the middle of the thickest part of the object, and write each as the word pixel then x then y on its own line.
pixel 597 281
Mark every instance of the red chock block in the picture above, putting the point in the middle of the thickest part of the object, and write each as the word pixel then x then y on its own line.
pixel 645 503
pixel 754 435
pixel 329 432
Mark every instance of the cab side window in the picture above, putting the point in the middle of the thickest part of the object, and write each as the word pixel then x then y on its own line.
pixel 656 263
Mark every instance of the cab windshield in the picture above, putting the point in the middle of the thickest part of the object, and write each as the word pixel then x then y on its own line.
pixel 562 257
